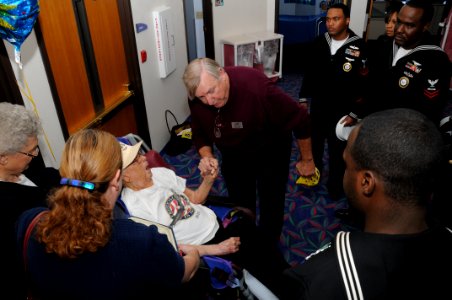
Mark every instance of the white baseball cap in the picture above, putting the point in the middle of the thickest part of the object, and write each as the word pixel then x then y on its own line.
pixel 129 153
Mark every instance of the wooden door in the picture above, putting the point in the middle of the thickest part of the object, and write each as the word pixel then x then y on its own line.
pixel 62 43
pixel 86 54
pixel 107 41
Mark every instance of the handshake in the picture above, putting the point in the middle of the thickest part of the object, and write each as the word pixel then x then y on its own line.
pixel 208 166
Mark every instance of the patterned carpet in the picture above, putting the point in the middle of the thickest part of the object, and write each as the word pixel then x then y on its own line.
pixel 309 220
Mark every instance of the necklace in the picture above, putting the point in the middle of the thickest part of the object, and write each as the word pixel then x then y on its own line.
pixel 217 125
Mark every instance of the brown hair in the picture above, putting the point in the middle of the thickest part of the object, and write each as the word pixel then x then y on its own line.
pixel 80 220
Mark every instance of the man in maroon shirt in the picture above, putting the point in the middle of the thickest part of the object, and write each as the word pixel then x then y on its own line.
pixel 251 121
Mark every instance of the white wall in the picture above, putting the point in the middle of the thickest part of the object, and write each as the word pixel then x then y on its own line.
pixel 271 15
pixel 34 86
pixel 237 17
pixel 161 93
pixel 358 17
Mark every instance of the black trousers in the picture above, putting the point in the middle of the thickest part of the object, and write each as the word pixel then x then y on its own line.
pixel 260 175
pixel 324 129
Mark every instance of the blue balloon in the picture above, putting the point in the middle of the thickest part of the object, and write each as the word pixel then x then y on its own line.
pixel 17 18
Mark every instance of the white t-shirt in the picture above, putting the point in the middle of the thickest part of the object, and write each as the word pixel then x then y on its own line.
pixel 401 52
pixel 198 224
pixel 336 44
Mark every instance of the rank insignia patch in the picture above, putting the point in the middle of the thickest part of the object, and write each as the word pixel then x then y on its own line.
pixel 431 92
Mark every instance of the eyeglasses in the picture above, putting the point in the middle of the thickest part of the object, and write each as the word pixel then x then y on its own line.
pixel 30 154
pixel 218 124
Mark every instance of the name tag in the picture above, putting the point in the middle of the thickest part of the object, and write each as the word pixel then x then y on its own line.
pixel 236 125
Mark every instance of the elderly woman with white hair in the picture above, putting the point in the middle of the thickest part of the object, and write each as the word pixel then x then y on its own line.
pixel 20 189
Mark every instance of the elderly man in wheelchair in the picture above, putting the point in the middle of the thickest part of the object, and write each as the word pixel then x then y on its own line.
pixel 156 193
pixel 159 195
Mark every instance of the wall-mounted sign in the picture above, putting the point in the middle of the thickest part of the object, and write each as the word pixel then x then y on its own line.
pixel 165 40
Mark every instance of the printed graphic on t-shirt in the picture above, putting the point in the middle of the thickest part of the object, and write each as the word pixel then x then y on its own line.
pixel 172 206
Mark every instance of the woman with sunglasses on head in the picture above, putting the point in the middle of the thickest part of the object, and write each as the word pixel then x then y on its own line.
pixel 78 250
pixel 21 187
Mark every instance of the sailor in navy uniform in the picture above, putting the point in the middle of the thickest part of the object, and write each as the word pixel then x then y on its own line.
pixel 335 81
pixel 412 72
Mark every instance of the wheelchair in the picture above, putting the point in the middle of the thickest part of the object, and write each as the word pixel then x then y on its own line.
pixel 217 278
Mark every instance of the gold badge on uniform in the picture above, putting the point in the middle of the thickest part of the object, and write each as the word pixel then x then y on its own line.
pixel 347 67
pixel 404 82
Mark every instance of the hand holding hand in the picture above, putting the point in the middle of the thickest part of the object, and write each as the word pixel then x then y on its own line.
pixel 208 166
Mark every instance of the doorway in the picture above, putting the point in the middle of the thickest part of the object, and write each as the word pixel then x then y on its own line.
pixel 300 21
pixel 199 29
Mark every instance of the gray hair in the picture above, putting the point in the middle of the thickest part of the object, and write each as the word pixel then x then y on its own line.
pixel 193 71
pixel 17 124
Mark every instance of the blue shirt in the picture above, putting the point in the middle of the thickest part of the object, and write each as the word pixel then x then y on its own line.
pixel 136 261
